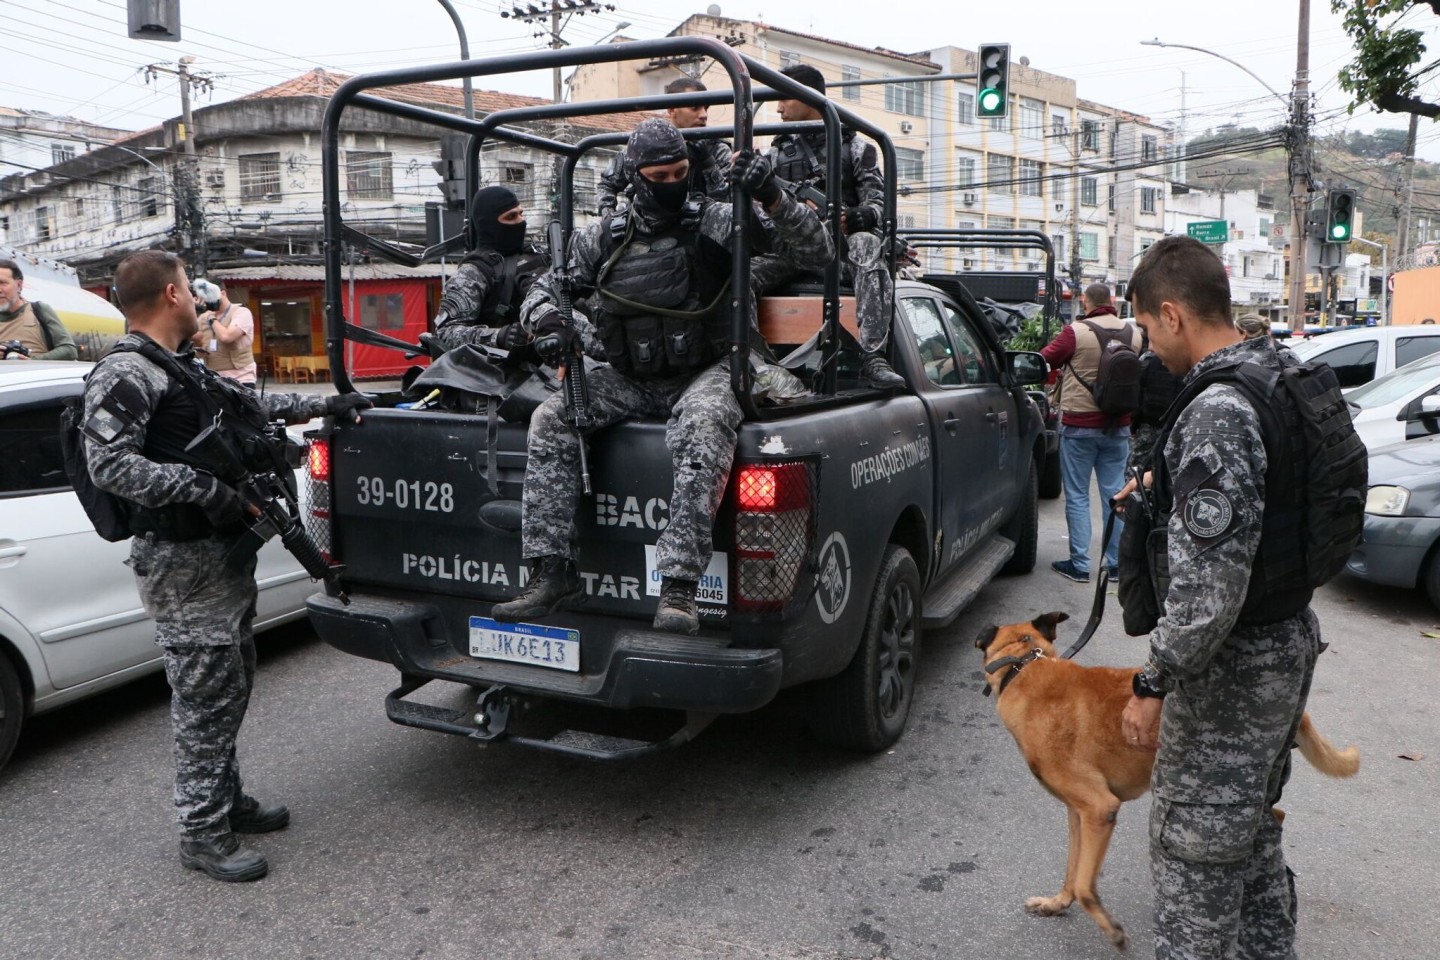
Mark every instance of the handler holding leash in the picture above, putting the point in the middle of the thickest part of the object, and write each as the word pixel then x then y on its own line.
pixel 1233 653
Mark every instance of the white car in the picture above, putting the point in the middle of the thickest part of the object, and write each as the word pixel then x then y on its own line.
pixel 1402 405
pixel 71 623
pixel 1360 354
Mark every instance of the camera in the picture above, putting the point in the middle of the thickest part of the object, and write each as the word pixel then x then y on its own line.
pixel 12 349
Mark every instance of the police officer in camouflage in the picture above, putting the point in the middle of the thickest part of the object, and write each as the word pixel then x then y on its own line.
pixel 1233 654
pixel 800 158
pixel 481 302
pixel 138 419
pixel 661 275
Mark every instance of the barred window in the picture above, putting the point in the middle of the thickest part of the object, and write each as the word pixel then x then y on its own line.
pixel 368 175
pixel 42 224
pixel 259 177
pixel 1089 191
pixel 60 152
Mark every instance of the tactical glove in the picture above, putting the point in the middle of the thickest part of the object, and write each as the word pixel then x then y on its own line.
pixel 512 337
pixel 224 509
pixel 348 405
pixel 756 175
pixel 860 219
pixel 553 338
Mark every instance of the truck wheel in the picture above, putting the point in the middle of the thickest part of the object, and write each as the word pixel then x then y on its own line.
pixel 1024 529
pixel 12 708
pixel 865 707
pixel 1050 487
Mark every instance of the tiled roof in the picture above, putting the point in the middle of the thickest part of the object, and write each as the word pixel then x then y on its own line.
pixel 323 83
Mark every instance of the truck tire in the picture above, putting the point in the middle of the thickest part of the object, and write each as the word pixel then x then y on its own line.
pixel 1024 529
pixel 865 707
pixel 12 708
pixel 1050 486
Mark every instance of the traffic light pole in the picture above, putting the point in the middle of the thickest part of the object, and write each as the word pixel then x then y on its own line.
pixel 1300 170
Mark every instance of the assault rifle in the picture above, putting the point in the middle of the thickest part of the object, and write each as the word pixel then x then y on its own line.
pixel 806 190
pixel 577 390
pixel 268 491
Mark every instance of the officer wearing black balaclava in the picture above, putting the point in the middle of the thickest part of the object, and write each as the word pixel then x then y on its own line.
pixel 481 301
pixel 660 272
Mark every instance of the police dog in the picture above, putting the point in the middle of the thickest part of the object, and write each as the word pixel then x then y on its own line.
pixel 1066 720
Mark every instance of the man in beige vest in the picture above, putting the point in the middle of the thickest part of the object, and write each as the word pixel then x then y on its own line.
pixel 29 331
pixel 1090 441
pixel 227 335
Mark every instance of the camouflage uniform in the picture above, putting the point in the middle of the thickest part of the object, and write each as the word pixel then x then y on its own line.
pixel 462 303
pixel 1236 692
pixel 702 410
pixel 709 159
pixel 865 266
pixel 202 611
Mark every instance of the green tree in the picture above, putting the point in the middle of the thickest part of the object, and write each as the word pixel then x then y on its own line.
pixel 1387 70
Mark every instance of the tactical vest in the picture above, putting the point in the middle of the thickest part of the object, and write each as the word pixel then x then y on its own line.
pixel 230 356
pixel 661 298
pixel 1279 578
pixel 797 160
pixel 26 327
pixel 511 278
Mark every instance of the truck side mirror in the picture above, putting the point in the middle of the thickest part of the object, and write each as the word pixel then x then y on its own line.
pixel 1027 367
pixel 1430 406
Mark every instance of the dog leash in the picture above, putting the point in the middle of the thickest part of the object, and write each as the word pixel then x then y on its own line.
pixel 1097 608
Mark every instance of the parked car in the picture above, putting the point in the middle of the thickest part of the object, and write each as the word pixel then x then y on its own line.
pixel 1402 405
pixel 1360 354
pixel 1402 518
pixel 71 623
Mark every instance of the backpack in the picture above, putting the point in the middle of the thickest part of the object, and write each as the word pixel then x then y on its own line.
pixel 1116 388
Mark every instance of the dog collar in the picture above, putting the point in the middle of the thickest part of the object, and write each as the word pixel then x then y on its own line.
pixel 1014 665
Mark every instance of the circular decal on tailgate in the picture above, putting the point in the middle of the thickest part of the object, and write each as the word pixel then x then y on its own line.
pixel 832 592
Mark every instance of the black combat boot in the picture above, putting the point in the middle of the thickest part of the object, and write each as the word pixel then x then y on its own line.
pixel 223 858
pixel 677 612
pixel 876 371
pixel 553 581
pixel 250 816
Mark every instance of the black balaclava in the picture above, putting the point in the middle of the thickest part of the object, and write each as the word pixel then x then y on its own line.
pixel 653 143
pixel 485 210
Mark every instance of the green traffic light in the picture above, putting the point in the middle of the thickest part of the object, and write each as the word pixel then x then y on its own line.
pixel 1339 232
pixel 990 101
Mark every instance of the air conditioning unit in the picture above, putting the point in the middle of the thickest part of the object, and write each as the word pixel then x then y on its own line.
pixel 970 198
pixel 906 126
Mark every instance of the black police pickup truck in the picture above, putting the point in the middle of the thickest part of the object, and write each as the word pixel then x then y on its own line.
pixel 853 520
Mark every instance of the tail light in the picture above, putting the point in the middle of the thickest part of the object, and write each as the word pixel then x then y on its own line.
pixel 774 531
pixel 317 492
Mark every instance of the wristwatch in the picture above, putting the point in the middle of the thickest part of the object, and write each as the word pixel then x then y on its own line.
pixel 1142 688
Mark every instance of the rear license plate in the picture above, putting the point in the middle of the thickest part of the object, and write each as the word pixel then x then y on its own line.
pixel 557 648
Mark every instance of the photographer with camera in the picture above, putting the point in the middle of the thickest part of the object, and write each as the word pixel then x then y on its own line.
pixel 29 330
pixel 151 411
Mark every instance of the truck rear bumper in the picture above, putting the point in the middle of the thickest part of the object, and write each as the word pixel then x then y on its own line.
pixel 643 668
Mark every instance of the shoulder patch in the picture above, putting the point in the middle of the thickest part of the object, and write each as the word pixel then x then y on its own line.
pixel 1208 514
pixel 116 411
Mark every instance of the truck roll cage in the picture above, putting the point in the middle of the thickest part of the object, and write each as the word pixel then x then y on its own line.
pixel 1046 291
pixel 500 125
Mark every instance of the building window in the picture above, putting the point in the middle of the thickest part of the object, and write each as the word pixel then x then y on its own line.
pixel 1000 124
pixel 117 202
pixel 966 115
pixel 1000 223
pixel 149 205
pixel 1000 173
pixel 909 164
pixel 965 170
pixel 585 181
pixel 1090 135
pixel 1089 191
pixel 1032 174
pixel 906 98
pixel 1089 246
pixel 1032 119
pixel 1149 199
pixel 259 177
pixel 1058 125
pixel 60 152
pixel 788 59
pixel 1149 149
pixel 1110 203
pixel 850 73
pixel 42 223
pixel 368 175
pixel 1057 244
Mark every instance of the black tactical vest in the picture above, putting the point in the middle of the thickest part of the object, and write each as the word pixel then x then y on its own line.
pixel 799 160
pixel 510 280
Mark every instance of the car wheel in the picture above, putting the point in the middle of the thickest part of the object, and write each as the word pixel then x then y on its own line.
pixel 12 708
pixel 1024 530
pixel 1050 485
pixel 866 706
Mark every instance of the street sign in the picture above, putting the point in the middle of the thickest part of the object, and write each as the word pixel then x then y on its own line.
pixel 1280 231
pixel 1209 231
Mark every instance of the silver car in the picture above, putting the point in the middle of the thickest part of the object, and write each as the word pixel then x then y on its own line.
pixel 1402 518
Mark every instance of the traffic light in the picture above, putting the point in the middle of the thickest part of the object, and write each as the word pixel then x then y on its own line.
pixel 451 167
pixel 993 80
pixel 1339 215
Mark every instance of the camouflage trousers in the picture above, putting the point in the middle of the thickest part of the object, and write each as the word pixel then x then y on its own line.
pixel 864 269
pixel 702 414
pixel 203 614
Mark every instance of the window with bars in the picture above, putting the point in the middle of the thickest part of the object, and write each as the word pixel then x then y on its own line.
pixel 1089 191
pixel 1149 199
pixel 1032 178
pixel 1032 119
pixel 909 164
pixel 60 152
pixel 369 175
pixel 42 223
pixel 906 98
pixel 849 73
pixel 966 114
pixel 1089 246
pixel 1000 173
pixel 1090 134
pixel 259 177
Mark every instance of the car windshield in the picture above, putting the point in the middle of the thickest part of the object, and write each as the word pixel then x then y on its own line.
pixel 1397 384
pixel 1313 345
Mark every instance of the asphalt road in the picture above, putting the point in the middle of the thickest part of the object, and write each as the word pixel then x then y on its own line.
pixel 752 842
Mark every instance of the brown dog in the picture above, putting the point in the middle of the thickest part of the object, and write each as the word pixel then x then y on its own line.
pixel 1066 720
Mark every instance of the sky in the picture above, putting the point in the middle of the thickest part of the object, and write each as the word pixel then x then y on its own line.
pixel 73 57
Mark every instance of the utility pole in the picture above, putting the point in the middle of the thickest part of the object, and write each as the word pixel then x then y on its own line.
pixel 559 14
pixel 1402 255
pixel 189 212
pixel 1300 169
